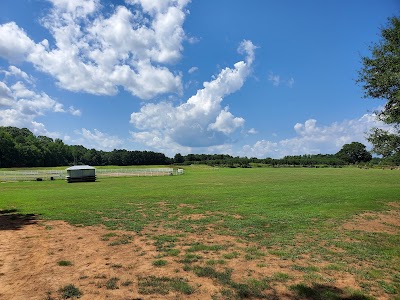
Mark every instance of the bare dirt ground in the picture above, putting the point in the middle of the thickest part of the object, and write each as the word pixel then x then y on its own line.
pixel 387 222
pixel 32 252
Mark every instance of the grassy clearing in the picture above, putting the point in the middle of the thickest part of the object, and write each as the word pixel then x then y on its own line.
pixel 276 193
pixel 294 215
pixel 271 200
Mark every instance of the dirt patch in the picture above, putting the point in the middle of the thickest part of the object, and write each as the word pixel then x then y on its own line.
pixel 187 205
pixel 29 263
pixel 237 217
pixel 394 204
pixel 194 217
pixel 383 222
pixel 106 264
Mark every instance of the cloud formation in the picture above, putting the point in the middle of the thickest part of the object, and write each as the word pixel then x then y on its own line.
pixel 192 70
pixel 21 104
pixel 97 139
pixel 95 53
pixel 277 81
pixel 201 121
pixel 313 139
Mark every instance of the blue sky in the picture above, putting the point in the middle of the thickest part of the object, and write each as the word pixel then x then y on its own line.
pixel 250 78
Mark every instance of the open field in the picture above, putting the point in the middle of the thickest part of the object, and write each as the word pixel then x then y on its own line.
pixel 209 234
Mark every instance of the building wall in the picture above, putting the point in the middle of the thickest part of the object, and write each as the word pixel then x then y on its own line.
pixel 81 173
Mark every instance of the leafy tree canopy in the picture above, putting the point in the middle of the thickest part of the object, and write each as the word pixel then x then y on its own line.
pixel 354 153
pixel 380 78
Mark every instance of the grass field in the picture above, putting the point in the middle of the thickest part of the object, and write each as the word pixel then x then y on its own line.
pixel 322 224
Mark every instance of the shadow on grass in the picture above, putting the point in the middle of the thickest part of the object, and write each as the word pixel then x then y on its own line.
pixel 10 219
pixel 326 292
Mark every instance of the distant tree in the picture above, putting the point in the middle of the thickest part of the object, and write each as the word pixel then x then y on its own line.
pixel 380 78
pixel 92 157
pixel 77 152
pixel 354 153
pixel 7 150
pixel 178 158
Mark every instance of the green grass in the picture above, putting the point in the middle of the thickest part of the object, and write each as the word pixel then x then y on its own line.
pixel 253 253
pixel 69 291
pixel 231 255
pixel 127 283
pixel 163 285
pixel 64 263
pixel 278 198
pixel 123 240
pixel 305 268
pixel 190 258
pixel 287 213
pixel 165 243
pixel 280 277
pixel 107 236
pixel 222 277
pixel 323 292
pixel 205 248
pixel 213 262
pixel 112 283
pixel 159 263
pixel 251 288
pixel 271 200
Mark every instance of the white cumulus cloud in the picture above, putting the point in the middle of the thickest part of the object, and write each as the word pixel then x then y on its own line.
pixel 314 139
pixel 21 104
pixel 192 70
pixel 96 53
pixel 97 139
pixel 13 71
pixel 15 44
pixel 252 131
pixel 226 122
pixel 201 121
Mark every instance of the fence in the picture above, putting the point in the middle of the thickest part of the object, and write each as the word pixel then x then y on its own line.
pixel 28 175
pixel 125 172
pixel 32 175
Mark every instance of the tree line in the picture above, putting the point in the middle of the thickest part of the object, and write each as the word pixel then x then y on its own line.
pixel 21 148
pixel 354 153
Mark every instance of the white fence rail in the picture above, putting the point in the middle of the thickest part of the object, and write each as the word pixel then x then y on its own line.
pixel 134 172
pixel 32 175
pixel 28 175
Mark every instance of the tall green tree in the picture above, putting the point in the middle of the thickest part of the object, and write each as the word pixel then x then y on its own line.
pixel 178 158
pixel 354 153
pixel 380 78
pixel 7 150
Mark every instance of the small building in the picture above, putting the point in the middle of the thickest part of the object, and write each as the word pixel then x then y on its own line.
pixel 81 174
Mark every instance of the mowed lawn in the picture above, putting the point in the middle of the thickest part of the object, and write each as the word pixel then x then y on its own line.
pixel 291 213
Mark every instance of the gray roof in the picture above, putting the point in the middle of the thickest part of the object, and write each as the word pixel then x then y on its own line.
pixel 81 168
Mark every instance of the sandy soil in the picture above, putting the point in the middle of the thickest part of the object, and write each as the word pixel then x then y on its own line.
pixel 387 222
pixel 30 252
